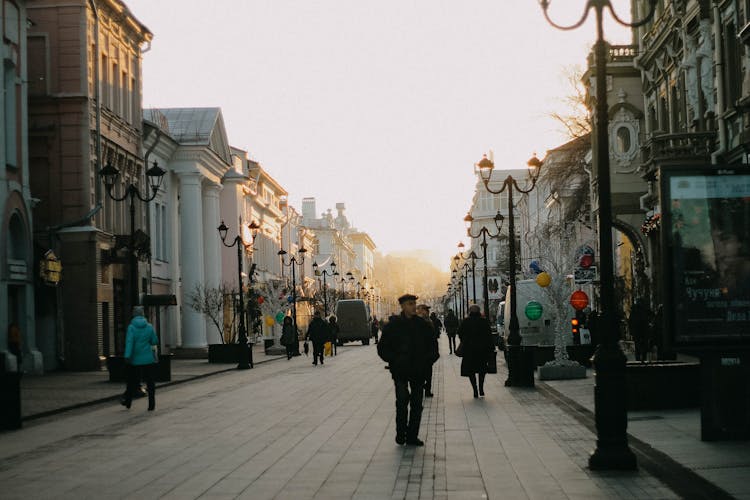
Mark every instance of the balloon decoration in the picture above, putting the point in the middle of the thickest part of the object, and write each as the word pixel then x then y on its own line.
pixel 533 310
pixel 279 317
pixel 290 299
pixel 534 266
pixel 270 321
pixel 543 279
pixel 585 257
pixel 579 300
pixel 261 299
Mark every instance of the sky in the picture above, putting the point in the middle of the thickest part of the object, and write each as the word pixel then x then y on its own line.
pixel 383 105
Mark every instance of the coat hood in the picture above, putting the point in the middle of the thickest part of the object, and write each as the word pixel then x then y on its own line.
pixel 139 322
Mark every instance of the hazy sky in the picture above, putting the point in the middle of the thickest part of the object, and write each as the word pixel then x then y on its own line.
pixel 384 105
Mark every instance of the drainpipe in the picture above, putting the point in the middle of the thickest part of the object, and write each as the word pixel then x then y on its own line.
pixel 97 97
pixel 720 97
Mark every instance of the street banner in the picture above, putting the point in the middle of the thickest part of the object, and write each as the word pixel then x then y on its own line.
pixel 706 257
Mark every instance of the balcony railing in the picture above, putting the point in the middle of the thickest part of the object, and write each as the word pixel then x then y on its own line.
pixel 674 149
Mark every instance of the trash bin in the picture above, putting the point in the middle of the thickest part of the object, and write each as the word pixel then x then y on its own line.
pixel 10 400
pixel 725 396
pixel 520 360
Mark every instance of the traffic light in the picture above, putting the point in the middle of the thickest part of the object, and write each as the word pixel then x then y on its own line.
pixel 575 325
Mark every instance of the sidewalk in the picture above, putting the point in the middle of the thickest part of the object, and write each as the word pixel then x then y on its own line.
pixel 43 395
pixel 675 433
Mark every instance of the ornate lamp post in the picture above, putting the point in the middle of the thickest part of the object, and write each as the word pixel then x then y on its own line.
pixel 325 273
pixel 484 233
pixel 473 258
pixel 612 450
pixel 155 174
pixel 518 372
pixel 245 241
pixel 294 261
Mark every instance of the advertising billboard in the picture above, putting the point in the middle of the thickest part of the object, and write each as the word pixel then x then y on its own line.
pixel 706 255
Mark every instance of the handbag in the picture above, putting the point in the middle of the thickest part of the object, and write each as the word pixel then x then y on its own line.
pixel 307 348
pixel 492 362
pixel 460 350
pixel 327 349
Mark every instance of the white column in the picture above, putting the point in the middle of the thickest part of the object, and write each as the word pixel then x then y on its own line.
pixel 211 250
pixel 191 261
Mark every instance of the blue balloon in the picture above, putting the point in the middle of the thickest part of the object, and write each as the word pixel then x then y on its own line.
pixel 290 299
pixel 534 266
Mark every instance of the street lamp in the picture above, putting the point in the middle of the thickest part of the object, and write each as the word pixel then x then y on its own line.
pixel 324 273
pixel 155 174
pixel 484 233
pixel 473 258
pixel 294 261
pixel 612 450
pixel 519 374
pixel 245 240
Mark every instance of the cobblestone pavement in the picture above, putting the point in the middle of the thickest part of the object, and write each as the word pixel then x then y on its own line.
pixel 41 394
pixel 289 430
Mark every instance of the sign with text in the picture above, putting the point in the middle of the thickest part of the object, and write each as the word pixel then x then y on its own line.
pixel 706 242
pixel 584 276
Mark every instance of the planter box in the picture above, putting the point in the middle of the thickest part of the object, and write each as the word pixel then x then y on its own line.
pixel 116 367
pixel 580 353
pixel 662 385
pixel 227 353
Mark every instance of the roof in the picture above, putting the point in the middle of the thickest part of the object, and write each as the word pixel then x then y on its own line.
pixel 197 126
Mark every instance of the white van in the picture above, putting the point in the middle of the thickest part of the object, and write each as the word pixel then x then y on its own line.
pixel 534 332
pixel 353 318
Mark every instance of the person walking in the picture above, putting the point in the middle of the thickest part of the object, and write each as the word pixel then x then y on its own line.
pixel 318 334
pixel 405 344
pixel 451 328
pixel 374 327
pixel 476 344
pixel 423 311
pixel 639 324
pixel 14 345
pixel 333 326
pixel 289 338
pixel 140 356
pixel 436 323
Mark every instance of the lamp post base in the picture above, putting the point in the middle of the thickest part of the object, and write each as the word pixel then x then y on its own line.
pixel 520 359
pixel 610 409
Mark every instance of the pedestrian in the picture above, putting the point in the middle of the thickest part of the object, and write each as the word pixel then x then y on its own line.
pixel 289 337
pixel 14 345
pixel 639 325
pixel 405 344
pixel 423 311
pixel 318 334
pixel 374 327
pixel 451 328
pixel 140 356
pixel 476 344
pixel 333 326
pixel 436 323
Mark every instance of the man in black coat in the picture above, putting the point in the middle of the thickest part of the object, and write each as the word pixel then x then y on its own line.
pixel 451 328
pixel 318 333
pixel 405 344
pixel 423 311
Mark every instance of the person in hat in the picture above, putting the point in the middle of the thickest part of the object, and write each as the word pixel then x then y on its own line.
pixel 406 345
pixel 318 333
pixel 423 311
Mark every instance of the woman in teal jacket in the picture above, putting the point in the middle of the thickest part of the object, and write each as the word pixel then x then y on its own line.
pixel 140 356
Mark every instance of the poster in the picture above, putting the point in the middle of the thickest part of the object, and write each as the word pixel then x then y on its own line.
pixel 707 258
pixel 495 288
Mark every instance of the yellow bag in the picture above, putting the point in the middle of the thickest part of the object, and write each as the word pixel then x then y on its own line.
pixel 327 348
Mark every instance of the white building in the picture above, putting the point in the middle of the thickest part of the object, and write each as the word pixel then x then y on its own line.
pixel 16 252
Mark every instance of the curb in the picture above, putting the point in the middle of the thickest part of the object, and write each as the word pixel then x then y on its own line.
pixel 116 397
pixel 680 479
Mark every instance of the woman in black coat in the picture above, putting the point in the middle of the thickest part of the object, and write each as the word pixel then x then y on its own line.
pixel 476 343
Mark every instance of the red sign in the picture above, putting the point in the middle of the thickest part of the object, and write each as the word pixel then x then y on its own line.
pixel 579 300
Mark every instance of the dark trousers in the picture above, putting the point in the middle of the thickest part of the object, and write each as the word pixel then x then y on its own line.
pixel 317 353
pixel 136 373
pixel 408 406
pixel 452 343
pixel 289 351
pixel 334 345
pixel 428 380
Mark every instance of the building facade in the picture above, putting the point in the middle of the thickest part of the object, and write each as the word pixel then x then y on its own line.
pixel 17 268
pixel 84 71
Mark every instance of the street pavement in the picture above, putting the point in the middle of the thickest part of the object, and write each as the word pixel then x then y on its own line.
pixel 289 430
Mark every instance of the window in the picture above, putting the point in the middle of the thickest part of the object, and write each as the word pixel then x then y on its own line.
pixel 157 231
pixel 115 89
pixel 104 70
pixel 10 124
pixel 624 140
pixel 125 98
pixel 164 234
pixel 487 202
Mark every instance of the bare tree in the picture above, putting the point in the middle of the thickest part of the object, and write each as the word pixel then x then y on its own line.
pixel 214 304
pixel 576 119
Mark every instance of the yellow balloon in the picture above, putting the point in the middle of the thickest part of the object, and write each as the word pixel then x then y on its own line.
pixel 270 321
pixel 543 279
